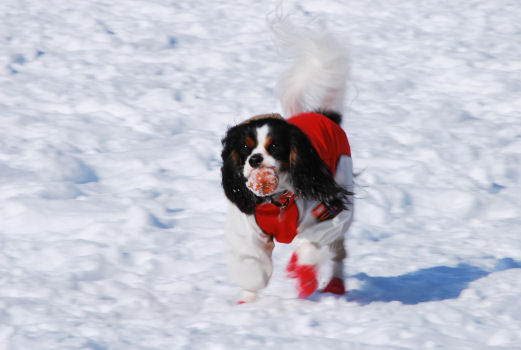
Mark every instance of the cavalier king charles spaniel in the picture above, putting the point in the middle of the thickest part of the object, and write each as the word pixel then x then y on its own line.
pixel 291 180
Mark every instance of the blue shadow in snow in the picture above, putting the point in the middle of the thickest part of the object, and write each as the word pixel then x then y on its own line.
pixel 432 284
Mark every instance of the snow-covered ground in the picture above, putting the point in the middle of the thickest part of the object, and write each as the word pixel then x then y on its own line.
pixel 111 211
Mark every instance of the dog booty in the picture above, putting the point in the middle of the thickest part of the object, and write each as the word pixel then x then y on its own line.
pixel 307 282
pixel 246 297
pixel 292 266
pixel 306 276
pixel 335 286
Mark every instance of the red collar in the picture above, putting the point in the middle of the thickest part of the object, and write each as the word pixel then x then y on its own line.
pixel 279 218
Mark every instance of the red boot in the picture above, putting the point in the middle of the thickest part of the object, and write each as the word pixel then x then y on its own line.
pixel 335 286
pixel 307 282
pixel 306 276
pixel 292 266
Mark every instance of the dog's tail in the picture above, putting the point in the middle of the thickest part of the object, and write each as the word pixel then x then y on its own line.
pixel 316 77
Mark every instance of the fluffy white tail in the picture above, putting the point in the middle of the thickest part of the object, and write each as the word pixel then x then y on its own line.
pixel 316 79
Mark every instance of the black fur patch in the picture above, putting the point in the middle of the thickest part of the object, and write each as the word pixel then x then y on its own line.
pixel 332 115
pixel 234 153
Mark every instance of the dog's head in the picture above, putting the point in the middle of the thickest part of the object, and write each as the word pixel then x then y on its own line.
pixel 270 141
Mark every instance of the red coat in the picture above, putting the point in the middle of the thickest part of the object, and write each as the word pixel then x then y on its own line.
pixel 331 142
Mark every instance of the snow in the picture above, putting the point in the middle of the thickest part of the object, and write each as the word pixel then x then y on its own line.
pixel 111 236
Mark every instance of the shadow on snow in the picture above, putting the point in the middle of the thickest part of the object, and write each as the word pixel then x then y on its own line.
pixel 432 284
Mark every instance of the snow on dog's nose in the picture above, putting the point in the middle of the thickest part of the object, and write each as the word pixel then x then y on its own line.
pixel 263 181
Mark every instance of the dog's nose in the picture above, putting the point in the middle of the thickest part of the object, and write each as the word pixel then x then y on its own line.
pixel 256 160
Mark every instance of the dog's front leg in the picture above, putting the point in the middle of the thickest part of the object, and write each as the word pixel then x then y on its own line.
pixel 249 253
pixel 303 266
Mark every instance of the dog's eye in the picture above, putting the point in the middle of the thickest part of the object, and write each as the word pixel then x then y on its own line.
pixel 245 149
pixel 273 148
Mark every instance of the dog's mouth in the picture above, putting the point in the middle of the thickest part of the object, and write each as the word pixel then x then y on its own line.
pixel 263 181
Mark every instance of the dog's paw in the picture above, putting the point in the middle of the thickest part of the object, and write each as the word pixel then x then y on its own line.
pixel 335 286
pixel 247 297
pixel 307 282
pixel 292 266
pixel 306 276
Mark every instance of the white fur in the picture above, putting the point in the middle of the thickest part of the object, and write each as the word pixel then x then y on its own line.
pixel 308 253
pixel 317 77
pixel 249 262
pixel 247 296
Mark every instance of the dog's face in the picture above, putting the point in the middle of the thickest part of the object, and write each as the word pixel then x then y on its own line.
pixel 265 145
pixel 252 145
pixel 270 141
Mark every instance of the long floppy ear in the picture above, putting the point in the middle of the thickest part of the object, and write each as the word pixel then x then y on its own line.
pixel 233 181
pixel 311 177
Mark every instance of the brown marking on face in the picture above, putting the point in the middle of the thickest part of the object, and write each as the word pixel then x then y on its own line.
pixel 235 156
pixel 269 141
pixel 249 142
pixel 293 156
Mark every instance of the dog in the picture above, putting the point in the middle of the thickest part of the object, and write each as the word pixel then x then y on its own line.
pixel 291 180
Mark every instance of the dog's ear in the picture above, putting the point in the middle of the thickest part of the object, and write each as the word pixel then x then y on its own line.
pixel 233 181
pixel 310 176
